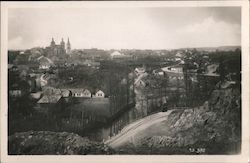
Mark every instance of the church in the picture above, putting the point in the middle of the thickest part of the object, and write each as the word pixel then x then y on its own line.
pixel 58 49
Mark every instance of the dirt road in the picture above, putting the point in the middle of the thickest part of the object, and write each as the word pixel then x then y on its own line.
pixel 132 129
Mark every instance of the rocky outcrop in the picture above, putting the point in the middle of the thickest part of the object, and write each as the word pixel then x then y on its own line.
pixel 214 128
pixel 53 143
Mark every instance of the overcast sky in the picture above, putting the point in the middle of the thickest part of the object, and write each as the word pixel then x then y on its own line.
pixel 115 28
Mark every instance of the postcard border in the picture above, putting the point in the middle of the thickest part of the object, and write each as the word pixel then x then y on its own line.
pixel 243 157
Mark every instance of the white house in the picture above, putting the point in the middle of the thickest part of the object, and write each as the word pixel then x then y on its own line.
pixel 158 72
pixel 182 62
pixel 174 69
pixel 205 57
pixel 86 93
pixel 177 59
pixel 80 93
pixel 15 93
pixel 77 92
pixel 140 70
pixel 44 62
pixel 100 94
pixel 116 54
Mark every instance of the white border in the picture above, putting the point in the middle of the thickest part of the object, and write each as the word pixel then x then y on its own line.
pixel 243 157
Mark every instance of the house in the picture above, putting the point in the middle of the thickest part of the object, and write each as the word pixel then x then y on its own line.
pixel 170 59
pixel 140 83
pixel 65 93
pixel 36 95
pixel 100 94
pixel 140 70
pixel 49 99
pixel 15 93
pixel 117 55
pixel 91 63
pixel 80 93
pixel 205 57
pixel 177 59
pixel 51 91
pixel 95 65
pixel 86 93
pixel 48 103
pixel 44 62
pixel 77 92
pixel 12 68
pixel 158 72
pixel 211 70
pixel 182 62
pixel 173 69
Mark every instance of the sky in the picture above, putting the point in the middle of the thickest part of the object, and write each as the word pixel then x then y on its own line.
pixel 125 28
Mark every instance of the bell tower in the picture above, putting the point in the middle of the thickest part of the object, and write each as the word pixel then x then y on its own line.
pixel 52 44
pixel 62 44
pixel 68 48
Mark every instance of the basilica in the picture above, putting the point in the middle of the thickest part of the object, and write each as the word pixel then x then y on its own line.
pixel 58 49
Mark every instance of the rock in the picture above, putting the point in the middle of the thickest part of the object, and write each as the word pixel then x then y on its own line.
pixel 46 142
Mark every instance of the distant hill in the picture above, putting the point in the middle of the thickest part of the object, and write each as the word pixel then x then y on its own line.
pixel 220 48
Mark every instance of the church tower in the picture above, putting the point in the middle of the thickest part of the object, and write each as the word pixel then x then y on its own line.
pixel 52 44
pixel 68 48
pixel 62 44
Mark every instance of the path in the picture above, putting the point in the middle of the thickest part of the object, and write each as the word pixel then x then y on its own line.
pixel 132 129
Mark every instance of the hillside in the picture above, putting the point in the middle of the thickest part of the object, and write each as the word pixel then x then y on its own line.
pixel 213 128
pixel 53 143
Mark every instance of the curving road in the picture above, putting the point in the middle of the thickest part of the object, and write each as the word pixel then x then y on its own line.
pixel 43 81
pixel 132 129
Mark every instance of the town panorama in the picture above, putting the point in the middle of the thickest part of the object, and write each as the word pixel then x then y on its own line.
pixel 63 100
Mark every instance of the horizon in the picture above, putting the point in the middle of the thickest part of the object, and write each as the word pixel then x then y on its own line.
pixel 132 48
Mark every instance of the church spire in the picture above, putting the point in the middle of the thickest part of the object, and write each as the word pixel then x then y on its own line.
pixel 63 44
pixel 68 49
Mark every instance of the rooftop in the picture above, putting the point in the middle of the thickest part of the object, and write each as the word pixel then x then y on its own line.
pixel 49 99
